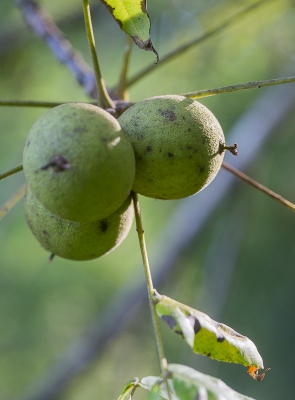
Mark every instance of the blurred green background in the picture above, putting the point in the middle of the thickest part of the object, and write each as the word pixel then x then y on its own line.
pixel 46 307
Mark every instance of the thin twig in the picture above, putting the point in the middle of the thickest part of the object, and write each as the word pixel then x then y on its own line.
pixel 149 282
pixel 11 172
pixel 29 103
pixel 13 201
pixel 119 92
pixel 181 49
pixel 235 88
pixel 44 27
pixel 119 105
pixel 258 186
pixel 103 98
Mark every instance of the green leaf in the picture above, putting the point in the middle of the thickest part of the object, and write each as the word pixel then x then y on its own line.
pixel 154 394
pixel 133 18
pixel 157 387
pixel 128 390
pixel 190 384
pixel 206 336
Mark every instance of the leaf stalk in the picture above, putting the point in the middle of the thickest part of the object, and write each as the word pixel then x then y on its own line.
pixel 103 98
pixel 12 171
pixel 258 186
pixel 235 88
pixel 151 290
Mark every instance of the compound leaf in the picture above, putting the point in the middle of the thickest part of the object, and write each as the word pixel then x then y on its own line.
pixel 157 388
pixel 128 390
pixel 133 18
pixel 190 384
pixel 206 336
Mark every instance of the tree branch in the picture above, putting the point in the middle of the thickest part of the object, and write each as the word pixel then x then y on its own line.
pixel 44 27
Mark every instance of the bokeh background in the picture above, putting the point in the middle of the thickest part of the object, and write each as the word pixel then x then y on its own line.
pixel 238 266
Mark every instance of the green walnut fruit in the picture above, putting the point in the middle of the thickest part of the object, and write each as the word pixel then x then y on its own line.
pixel 178 145
pixel 78 162
pixel 78 240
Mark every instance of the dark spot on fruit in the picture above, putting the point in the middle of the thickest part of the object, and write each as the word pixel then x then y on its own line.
pixel 201 169
pixel 183 117
pixel 103 225
pixel 189 147
pixel 168 114
pixel 78 129
pixel 169 320
pixel 189 129
pixel 148 148
pixel 209 354
pixel 46 233
pixel 170 155
pixel 204 140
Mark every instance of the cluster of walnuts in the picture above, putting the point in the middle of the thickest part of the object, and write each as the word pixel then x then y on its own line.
pixel 81 165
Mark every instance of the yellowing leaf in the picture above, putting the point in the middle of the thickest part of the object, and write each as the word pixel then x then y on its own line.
pixel 128 390
pixel 133 18
pixel 206 336
pixel 190 384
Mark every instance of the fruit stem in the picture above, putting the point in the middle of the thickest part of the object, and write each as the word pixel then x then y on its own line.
pixel 258 186
pixel 151 290
pixel 103 99
pixel 11 172
pixel 13 201
pixel 232 149
pixel 235 88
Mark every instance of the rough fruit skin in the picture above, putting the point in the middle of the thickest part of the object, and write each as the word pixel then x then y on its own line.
pixel 78 240
pixel 100 164
pixel 176 143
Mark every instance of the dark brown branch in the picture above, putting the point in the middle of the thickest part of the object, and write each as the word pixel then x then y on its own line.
pixel 43 26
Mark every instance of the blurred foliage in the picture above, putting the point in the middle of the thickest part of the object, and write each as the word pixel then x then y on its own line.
pixel 44 307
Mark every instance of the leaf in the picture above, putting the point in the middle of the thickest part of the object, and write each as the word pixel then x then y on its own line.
pixel 157 387
pixel 133 18
pixel 128 390
pixel 190 384
pixel 206 336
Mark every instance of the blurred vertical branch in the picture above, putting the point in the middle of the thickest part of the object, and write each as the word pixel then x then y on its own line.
pixel 251 131
pixel 44 27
